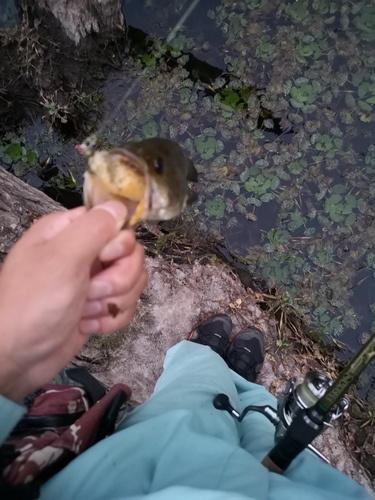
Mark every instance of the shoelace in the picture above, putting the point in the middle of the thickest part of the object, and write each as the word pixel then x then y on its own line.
pixel 239 355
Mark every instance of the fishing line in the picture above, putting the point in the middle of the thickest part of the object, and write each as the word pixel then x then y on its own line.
pixel 170 37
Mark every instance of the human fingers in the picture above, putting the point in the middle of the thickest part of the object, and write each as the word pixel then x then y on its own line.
pixel 50 225
pixel 107 324
pixel 118 278
pixel 87 235
pixel 122 245
pixel 111 306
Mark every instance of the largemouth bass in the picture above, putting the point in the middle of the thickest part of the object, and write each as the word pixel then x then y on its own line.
pixel 150 177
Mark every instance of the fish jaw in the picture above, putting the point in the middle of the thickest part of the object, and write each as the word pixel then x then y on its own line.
pixel 160 206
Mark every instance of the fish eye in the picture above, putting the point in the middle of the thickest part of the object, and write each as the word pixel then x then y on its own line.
pixel 159 165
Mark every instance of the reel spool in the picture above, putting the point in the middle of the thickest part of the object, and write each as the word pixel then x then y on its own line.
pixel 302 396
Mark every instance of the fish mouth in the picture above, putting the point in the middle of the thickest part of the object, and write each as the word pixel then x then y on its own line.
pixel 156 200
pixel 120 175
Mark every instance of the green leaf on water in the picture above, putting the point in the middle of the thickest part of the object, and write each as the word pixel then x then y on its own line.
pixel 296 167
pixel 185 94
pixel 332 200
pixel 265 198
pixel 219 161
pixel 31 157
pixel 330 20
pixel 206 146
pixel 364 106
pixel 275 182
pixel 69 181
pixel 351 200
pixel 150 129
pixel 371 100
pixel 349 221
pixel 235 99
pixel 350 101
pixel 278 236
pixel 324 143
pixel 148 60
pixel 357 78
pixel 296 221
pixel 338 142
pixel 339 189
pixel 216 207
pixel 254 170
pixel 14 151
pixel 363 89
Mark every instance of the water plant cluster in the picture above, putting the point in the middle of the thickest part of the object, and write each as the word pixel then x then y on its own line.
pixel 283 140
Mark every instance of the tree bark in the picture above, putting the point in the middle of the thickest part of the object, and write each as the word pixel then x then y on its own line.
pixel 79 18
pixel 20 206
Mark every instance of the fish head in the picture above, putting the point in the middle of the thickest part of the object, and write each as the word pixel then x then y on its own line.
pixel 150 177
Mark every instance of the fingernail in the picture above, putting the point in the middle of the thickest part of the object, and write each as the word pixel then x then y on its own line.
pixel 112 251
pixel 92 307
pixel 116 209
pixel 99 289
pixel 89 326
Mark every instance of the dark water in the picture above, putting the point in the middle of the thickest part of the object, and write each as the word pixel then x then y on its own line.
pixel 275 103
pixel 333 278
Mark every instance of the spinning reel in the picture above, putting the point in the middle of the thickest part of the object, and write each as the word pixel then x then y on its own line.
pixel 305 410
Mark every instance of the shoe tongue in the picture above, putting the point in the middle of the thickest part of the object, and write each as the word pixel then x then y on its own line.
pixel 246 358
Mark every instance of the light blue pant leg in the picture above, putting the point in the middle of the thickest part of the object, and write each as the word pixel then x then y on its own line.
pixel 193 375
pixel 256 431
pixel 193 369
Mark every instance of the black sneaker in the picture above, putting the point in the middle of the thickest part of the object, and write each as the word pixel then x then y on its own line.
pixel 214 332
pixel 245 354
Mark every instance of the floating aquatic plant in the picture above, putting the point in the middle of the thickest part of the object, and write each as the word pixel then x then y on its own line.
pixel 304 93
pixel 298 11
pixel 364 21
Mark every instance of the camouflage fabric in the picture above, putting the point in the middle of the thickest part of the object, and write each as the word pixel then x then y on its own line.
pixel 61 423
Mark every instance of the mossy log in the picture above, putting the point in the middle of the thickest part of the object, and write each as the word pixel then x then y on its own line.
pixel 20 206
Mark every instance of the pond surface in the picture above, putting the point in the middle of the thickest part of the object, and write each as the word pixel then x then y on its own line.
pixel 275 103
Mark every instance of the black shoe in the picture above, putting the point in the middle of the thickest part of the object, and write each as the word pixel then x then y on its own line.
pixel 214 332
pixel 245 354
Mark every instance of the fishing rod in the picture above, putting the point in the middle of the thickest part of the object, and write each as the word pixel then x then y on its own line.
pixel 306 410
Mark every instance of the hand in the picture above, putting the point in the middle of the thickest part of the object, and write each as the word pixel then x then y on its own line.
pixel 71 275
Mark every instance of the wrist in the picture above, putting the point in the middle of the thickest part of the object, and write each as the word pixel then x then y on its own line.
pixel 12 384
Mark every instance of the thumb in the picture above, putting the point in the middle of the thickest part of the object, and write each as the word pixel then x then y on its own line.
pixel 87 235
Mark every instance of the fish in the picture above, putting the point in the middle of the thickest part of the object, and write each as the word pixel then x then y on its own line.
pixel 151 177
